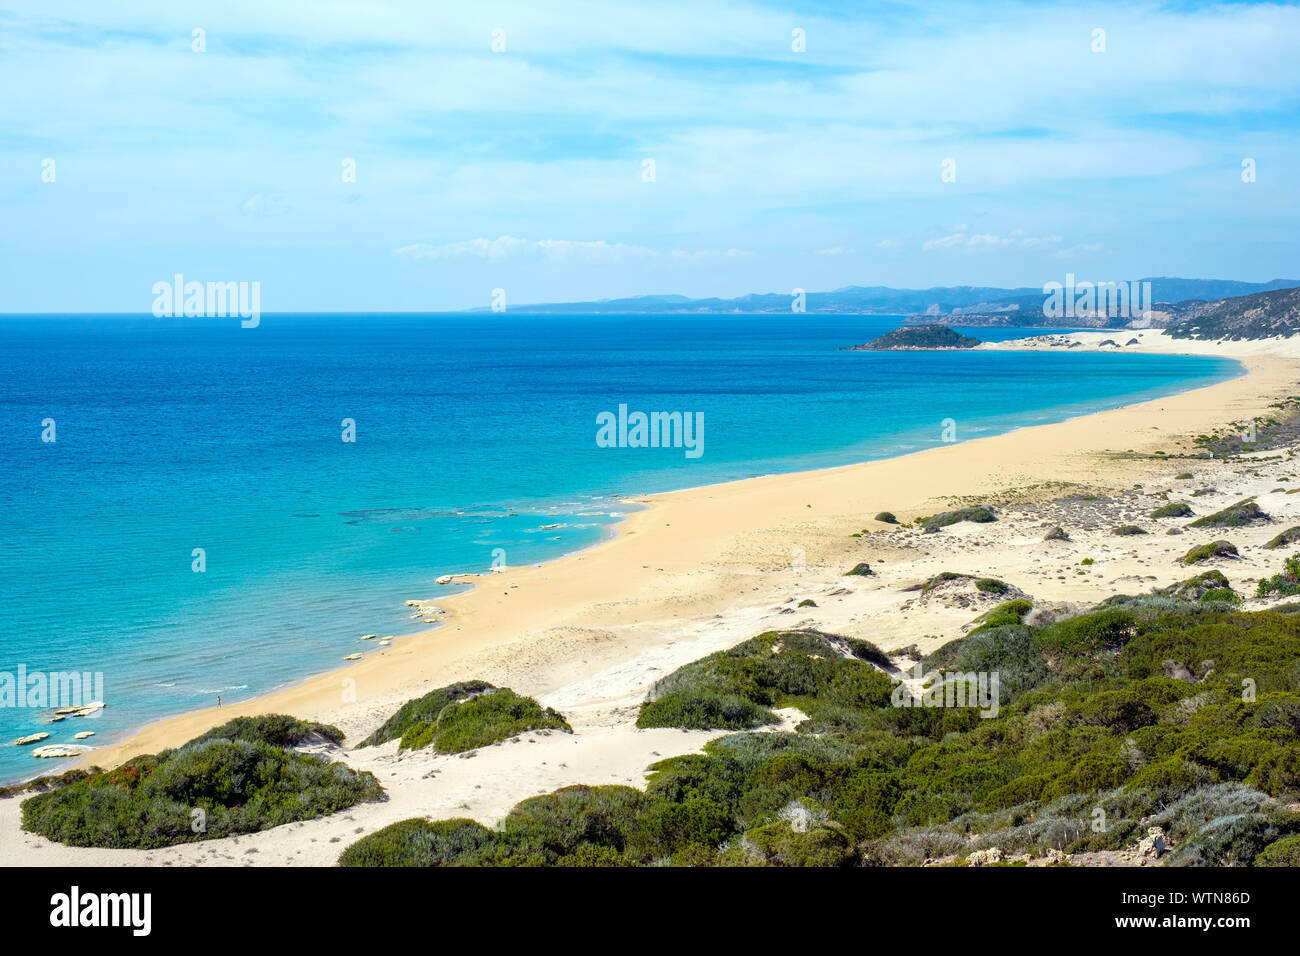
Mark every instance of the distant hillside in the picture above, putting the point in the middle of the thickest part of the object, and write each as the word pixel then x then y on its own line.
pixel 878 300
pixel 1025 315
pixel 977 305
pixel 1259 316
pixel 918 337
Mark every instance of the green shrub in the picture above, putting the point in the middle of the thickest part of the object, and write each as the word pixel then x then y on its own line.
pixel 424 710
pixel 1169 777
pixel 978 513
pixel 864 803
pixel 210 787
pixel 1019 791
pixel 1224 825
pixel 1128 530
pixel 1110 629
pixel 1194 588
pixel 665 828
pixel 464 717
pixel 738 688
pixel 1215 549
pixel 274 730
pixel 590 854
pixel 1088 718
pixel 556 825
pixel 782 845
pixel 807 602
pixel 482 721
pixel 861 570
pixel 51 782
pixel 1244 512
pixel 703 711
pixel 983 585
pixel 1225 595
pixel 1289 536
pixel 1283 852
pixel 1175 509
pixel 418 843
pixel 1006 613
pixel 1285 583
pixel 886 517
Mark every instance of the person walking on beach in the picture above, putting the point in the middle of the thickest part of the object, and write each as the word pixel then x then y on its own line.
pixel 218 700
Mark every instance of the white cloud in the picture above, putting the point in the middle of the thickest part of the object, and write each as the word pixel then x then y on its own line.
pixel 506 247
pixel 961 239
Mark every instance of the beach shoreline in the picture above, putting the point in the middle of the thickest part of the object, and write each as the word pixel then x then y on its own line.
pixel 701 570
pixel 484 623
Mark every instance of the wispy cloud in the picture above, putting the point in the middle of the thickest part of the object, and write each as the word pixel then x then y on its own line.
pixel 968 241
pixel 767 160
pixel 506 247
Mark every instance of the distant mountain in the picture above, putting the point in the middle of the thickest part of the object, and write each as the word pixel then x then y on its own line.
pixel 1260 316
pixel 983 305
pixel 918 338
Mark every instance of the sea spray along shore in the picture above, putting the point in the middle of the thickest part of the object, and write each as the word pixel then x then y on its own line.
pixel 705 570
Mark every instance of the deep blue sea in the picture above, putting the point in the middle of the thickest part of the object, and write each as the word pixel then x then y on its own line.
pixel 472 431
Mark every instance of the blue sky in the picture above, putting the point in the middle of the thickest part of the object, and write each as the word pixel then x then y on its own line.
pixel 523 169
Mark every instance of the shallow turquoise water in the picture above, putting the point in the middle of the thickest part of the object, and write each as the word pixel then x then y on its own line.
pixel 472 432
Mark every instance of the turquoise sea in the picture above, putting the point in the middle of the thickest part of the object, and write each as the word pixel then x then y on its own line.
pixel 472 432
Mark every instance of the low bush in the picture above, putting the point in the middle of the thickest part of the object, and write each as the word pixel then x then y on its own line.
pixel 1195 587
pixel 1243 513
pixel 738 688
pixel 1134 707
pixel 1283 852
pixel 1008 612
pixel 465 716
pixel 983 585
pixel 1285 583
pixel 1214 549
pixel 240 778
pixel 418 843
pixel 978 513
pixel 1289 536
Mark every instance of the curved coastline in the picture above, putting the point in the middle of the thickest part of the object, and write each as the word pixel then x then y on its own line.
pixel 488 626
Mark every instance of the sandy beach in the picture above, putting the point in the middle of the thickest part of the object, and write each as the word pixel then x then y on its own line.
pixel 702 569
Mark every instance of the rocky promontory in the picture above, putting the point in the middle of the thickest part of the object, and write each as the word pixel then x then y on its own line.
pixel 915 338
